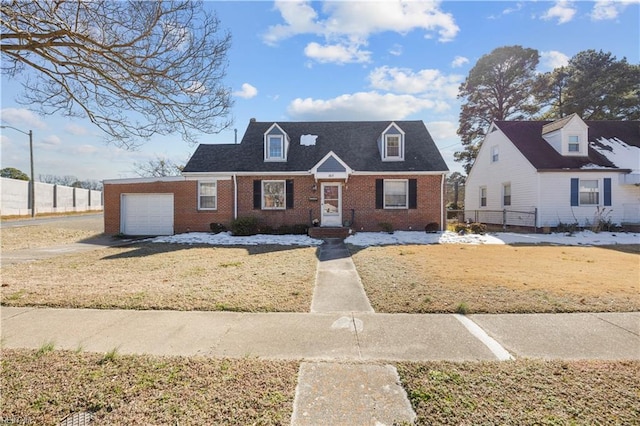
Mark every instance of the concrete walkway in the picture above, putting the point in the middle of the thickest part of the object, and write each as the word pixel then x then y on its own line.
pixel 345 378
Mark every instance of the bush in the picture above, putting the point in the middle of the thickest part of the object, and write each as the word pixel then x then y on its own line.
pixel 568 228
pixel 217 228
pixel 386 227
pixel 300 229
pixel 473 228
pixel 431 228
pixel 478 228
pixel 266 229
pixel 244 226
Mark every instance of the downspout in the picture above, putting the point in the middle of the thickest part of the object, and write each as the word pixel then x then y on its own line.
pixel 235 197
pixel 443 212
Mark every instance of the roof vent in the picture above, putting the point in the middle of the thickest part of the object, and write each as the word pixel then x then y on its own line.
pixel 252 120
pixel 308 140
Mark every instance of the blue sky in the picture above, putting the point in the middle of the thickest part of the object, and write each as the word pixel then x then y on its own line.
pixel 348 60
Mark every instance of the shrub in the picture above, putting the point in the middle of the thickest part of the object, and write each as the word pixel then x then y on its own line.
pixel 432 227
pixel 283 230
pixel 478 228
pixel 217 228
pixel 244 226
pixel 300 229
pixel 265 229
pixel 386 227
pixel 568 228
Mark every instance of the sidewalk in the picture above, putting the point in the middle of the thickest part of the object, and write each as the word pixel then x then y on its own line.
pixel 344 378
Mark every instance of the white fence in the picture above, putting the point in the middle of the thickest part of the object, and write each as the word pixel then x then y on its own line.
pixel 49 198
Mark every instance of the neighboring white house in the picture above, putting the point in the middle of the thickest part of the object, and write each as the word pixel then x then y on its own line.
pixel 566 171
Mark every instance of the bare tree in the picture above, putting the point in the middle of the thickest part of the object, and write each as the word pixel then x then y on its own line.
pixel 135 69
pixel 158 167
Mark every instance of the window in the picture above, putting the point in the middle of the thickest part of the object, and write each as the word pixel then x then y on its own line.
pixel 207 196
pixel 495 154
pixel 589 192
pixel 393 146
pixel 396 194
pixel 273 194
pixel 275 148
pixel 483 197
pixel 574 143
pixel 506 194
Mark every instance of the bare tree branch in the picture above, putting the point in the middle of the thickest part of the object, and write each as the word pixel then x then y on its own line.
pixel 135 69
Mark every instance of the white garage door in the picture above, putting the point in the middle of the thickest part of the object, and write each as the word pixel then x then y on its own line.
pixel 146 214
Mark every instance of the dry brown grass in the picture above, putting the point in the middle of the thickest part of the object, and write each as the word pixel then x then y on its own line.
pixel 499 279
pixel 168 276
pixel 128 390
pixel 524 392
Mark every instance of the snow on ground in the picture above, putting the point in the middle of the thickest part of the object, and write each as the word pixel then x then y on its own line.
pixel 586 238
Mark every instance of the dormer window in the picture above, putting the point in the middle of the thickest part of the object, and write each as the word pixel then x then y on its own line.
pixel 574 143
pixel 275 148
pixel 276 144
pixel 391 144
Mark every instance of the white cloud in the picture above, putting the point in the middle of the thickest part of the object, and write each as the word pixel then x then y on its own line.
pixel 84 149
pixel 21 117
pixel 563 11
pixel 362 106
pixel 609 9
pixel 459 61
pixel 552 59
pixel 337 53
pixel 440 130
pixel 247 92
pixel 76 129
pixel 427 82
pixel 396 50
pixel 348 24
pixel 51 140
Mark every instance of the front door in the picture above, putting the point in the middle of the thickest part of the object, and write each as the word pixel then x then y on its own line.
pixel 331 204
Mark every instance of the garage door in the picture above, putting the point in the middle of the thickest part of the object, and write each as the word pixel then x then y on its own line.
pixel 146 214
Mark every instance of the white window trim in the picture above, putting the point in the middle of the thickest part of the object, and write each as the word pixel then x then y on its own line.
pixel 284 198
pixel 400 156
pixel 504 186
pixel 578 143
pixel 215 195
pixel 486 196
pixel 495 153
pixel 267 150
pixel 384 194
pixel 600 194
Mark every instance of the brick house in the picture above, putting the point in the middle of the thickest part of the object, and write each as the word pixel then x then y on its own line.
pixel 353 175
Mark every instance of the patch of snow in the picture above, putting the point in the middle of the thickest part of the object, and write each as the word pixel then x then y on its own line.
pixel 623 155
pixel 586 238
pixel 226 239
pixel 365 239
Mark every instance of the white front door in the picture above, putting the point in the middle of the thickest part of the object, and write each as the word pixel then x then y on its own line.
pixel 331 204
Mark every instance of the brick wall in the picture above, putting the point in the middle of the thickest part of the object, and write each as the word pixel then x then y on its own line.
pixel 187 217
pixel 358 194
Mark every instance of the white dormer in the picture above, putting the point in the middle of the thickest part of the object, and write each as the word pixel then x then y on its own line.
pixel 569 136
pixel 276 144
pixel 391 143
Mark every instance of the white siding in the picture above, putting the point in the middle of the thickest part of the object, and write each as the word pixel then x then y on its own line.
pixel 556 206
pixel 511 167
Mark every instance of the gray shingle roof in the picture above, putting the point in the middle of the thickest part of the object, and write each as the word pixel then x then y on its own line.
pixel 527 137
pixel 355 142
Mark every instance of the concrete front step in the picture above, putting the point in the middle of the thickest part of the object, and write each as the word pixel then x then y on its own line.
pixel 323 232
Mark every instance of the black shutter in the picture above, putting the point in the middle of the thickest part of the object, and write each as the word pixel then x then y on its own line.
pixel 289 195
pixel 257 194
pixel 379 193
pixel 413 193
pixel 575 194
pixel 607 191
